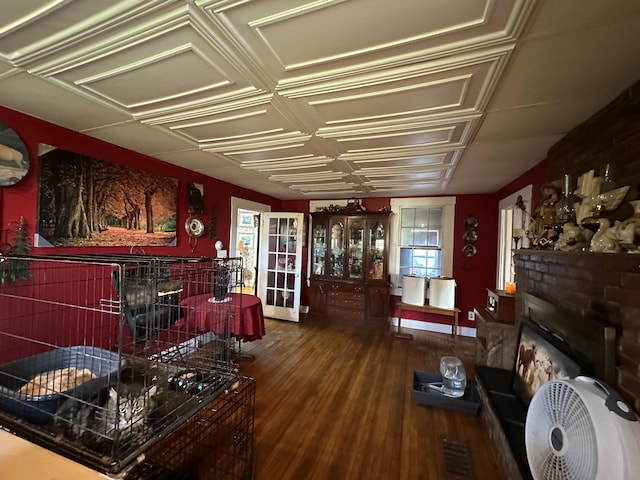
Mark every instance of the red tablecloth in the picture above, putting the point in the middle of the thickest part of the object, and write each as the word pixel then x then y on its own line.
pixel 247 321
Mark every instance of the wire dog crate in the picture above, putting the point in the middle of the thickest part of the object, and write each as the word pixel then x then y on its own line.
pixel 217 442
pixel 103 357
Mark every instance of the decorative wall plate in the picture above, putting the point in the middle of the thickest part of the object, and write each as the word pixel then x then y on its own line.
pixel 470 236
pixel 469 250
pixel 471 223
pixel 194 227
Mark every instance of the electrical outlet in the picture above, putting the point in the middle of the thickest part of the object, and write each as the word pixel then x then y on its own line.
pixel 471 316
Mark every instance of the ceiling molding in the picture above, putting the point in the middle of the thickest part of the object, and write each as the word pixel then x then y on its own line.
pixel 313 98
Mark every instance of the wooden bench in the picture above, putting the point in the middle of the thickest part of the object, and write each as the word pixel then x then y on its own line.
pixel 453 312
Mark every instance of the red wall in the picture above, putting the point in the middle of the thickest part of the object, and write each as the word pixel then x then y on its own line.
pixel 536 176
pixel 21 199
pixel 473 275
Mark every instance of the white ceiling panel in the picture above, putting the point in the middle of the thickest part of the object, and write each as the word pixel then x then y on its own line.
pixel 138 137
pixel 302 98
pixel 409 157
pixel 485 164
pixel 523 122
pixel 576 65
pixel 577 15
pixel 198 160
pixel 31 29
pixel 55 103
pixel 310 38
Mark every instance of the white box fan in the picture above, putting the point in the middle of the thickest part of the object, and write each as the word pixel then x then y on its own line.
pixel 581 429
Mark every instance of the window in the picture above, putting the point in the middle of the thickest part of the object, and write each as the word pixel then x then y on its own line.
pixel 422 238
pixel 421 241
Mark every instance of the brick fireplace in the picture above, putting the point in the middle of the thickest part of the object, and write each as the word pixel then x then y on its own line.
pixel 600 286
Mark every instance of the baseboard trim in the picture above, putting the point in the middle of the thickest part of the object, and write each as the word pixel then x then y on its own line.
pixel 432 327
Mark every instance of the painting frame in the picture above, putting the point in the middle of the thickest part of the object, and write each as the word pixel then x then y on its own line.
pixel 246 239
pixel 85 201
pixel 195 198
pixel 246 220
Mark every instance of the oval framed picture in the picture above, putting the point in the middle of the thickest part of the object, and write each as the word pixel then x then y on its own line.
pixel 14 157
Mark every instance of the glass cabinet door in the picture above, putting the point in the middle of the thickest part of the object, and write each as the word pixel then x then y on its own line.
pixel 336 258
pixel 356 247
pixel 377 253
pixel 319 248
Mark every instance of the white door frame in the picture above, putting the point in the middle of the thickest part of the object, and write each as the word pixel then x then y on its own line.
pixel 510 217
pixel 241 204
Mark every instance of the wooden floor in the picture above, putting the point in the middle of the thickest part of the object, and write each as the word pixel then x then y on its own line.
pixel 334 401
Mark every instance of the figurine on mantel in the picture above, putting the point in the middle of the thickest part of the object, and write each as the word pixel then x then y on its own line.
pixel 573 238
pixel 605 239
pixel 544 231
pixel 612 239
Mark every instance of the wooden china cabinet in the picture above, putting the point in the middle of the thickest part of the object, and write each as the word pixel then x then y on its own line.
pixel 349 264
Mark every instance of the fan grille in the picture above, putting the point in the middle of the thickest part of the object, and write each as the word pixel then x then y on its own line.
pixel 560 436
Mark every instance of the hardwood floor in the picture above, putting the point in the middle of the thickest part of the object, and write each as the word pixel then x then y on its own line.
pixel 334 401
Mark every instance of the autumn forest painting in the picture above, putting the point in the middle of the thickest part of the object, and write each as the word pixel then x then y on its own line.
pixel 85 201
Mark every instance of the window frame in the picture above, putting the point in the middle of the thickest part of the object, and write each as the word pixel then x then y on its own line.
pixel 448 205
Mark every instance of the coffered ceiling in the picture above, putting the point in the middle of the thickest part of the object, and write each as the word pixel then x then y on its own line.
pixel 325 98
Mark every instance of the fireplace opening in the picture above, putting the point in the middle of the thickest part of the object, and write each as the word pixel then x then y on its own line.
pixel 552 343
pixel 542 356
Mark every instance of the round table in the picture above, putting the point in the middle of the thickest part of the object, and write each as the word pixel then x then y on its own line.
pixel 205 314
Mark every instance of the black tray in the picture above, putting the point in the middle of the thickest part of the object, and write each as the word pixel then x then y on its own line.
pixel 41 409
pixel 469 403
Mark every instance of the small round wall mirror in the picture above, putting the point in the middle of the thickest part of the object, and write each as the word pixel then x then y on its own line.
pixel 14 158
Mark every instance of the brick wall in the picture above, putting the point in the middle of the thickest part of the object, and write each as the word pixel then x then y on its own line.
pixel 610 136
pixel 602 286
pixel 598 285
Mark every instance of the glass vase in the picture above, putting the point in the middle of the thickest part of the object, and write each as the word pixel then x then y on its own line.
pixel 565 208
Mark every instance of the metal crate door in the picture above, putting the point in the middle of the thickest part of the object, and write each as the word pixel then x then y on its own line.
pixel 280 264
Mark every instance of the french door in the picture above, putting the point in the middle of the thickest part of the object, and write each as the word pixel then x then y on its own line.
pixel 280 264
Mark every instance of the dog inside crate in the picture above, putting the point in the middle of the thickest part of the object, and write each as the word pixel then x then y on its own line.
pixel 87 382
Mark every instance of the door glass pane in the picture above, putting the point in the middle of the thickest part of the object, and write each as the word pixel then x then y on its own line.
pixel 281 280
pixel 376 252
pixel 355 249
pixel 337 250
pixel 319 248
